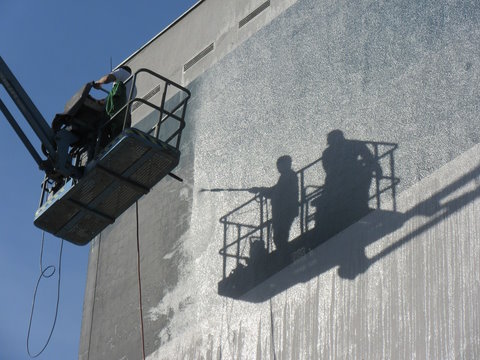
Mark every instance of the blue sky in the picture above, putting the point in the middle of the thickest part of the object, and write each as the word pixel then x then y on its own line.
pixel 53 48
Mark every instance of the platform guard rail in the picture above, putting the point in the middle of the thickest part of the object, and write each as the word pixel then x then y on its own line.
pixel 176 112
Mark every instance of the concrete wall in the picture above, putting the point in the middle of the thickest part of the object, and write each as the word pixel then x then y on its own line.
pixel 202 36
pixel 387 272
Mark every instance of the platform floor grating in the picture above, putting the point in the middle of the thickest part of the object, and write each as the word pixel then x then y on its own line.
pixel 127 169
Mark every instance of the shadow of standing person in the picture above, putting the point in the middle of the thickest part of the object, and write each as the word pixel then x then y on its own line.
pixel 284 201
pixel 349 166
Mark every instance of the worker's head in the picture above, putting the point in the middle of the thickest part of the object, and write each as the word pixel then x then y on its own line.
pixel 284 163
pixel 335 137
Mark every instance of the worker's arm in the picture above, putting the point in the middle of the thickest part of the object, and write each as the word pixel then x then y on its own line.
pixel 263 191
pixel 104 80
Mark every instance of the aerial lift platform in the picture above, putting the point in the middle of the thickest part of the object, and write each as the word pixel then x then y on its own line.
pixel 88 184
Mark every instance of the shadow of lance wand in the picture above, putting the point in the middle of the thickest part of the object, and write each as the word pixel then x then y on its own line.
pixel 253 190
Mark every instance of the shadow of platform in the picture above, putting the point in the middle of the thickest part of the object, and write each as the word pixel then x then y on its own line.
pixel 347 250
pixel 250 254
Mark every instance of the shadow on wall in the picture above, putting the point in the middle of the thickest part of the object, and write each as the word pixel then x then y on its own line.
pixel 334 193
pixel 353 260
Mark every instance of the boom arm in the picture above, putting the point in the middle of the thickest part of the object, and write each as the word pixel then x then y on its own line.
pixel 34 118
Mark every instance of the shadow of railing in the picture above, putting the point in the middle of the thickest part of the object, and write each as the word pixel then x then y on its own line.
pixel 386 184
pixel 248 253
pixel 348 254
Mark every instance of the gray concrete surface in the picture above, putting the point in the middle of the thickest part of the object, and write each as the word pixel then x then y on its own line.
pixel 399 78
pixel 210 22
pixel 395 285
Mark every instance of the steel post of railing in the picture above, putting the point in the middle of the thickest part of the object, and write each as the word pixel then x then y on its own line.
pixel 224 250
pixel 394 184
pixel 184 110
pixel 160 116
pixel 238 243
pixel 302 202
pixel 377 179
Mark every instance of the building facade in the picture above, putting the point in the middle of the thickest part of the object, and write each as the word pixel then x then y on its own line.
pixel 366 114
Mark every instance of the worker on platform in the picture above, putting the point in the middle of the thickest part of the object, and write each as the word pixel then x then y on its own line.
pixel 116 99
pixel 120 74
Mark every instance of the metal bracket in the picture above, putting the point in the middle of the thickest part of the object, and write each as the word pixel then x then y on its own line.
pixel 175 177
